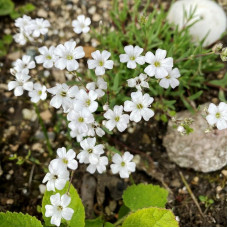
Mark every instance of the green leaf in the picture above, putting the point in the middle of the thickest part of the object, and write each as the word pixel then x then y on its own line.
pixel 222 82
pixel 151 217
pixel 78 218
pixel 97 222
pixel 108 224
pixel 140 196
pixel 7 39
pixel 196 95
pixel 6 7
pixel 123 211
pixel 14 219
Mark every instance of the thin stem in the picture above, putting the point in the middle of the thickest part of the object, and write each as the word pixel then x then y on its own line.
pixel 191 193
pixel 193 56
pixel 120 220
pixel 49 148
pixel 71 178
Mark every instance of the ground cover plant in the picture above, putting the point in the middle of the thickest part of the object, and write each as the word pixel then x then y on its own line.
pixel 143 68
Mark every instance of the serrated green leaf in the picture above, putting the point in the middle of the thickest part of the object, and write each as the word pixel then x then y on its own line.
pixel 97 222
pixel 151 217
pixel 140 196
pixel 78 218
pixel 14 219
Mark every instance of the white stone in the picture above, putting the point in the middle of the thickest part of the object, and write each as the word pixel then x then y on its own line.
pixel 213 19
pixel 205 152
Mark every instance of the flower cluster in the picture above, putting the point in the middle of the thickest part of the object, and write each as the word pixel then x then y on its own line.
pixel 30 29
pixel 159 66
pixel 88 116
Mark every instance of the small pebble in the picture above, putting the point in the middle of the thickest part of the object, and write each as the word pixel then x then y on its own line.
pixel 218 189
pixel 9 201
pixel 92 10
pixel 8 176
pixel 11 110
pixel 96 17
pixel 224 172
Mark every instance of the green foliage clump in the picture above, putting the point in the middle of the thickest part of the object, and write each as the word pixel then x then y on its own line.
pixel 151 31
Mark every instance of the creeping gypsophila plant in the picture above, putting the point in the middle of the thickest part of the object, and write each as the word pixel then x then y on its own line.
pixel 91 108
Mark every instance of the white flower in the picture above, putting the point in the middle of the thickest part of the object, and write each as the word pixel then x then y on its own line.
pixel 116 118
pixel 59 209
pixel 23 22
pixel 139 106
pixel 123 165
pixel 24 63
pixel 90 152
pixel 20 38
pixel 138 82
pixel 38 93
pixel 57 177
pixel 39 26
pixel 67 159
pixel 132 56
pixel 100 165
pixel 62 96
pixel 47 56
pixel 159 65
pixel 94 129
pixel 21 83
pixel 86 101
pixel 67 56
pixel 80 120
pixel 181 129
pixel 100 62
pixel 170 79
pixel 101 85
pixel 81 25
pixel 217 115
pixel 75 133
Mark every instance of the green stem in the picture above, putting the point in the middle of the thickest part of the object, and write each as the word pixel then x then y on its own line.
pixel 49 148
pixel 120 220
pixel 192 57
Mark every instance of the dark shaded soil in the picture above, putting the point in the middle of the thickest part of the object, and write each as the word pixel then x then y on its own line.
pixel 20 183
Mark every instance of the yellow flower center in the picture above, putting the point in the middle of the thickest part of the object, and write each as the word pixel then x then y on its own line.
pixel 101 63
pixel 81 119
pixel 139 106
pixel 90 151
pixel 168 77
pixel 65 161
pixel 122 164
pixel 48 57
pixel 217 115
pixel 88 103
pixel 63 93
pixel 69 57
pixel 59 208
pixel 117 118
pixel 132 58
pixel 157 64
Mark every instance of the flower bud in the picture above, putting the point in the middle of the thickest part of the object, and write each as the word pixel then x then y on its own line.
pixel 223 54
pixel 217 48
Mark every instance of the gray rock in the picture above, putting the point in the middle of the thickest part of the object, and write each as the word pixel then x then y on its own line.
pixel 205 152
